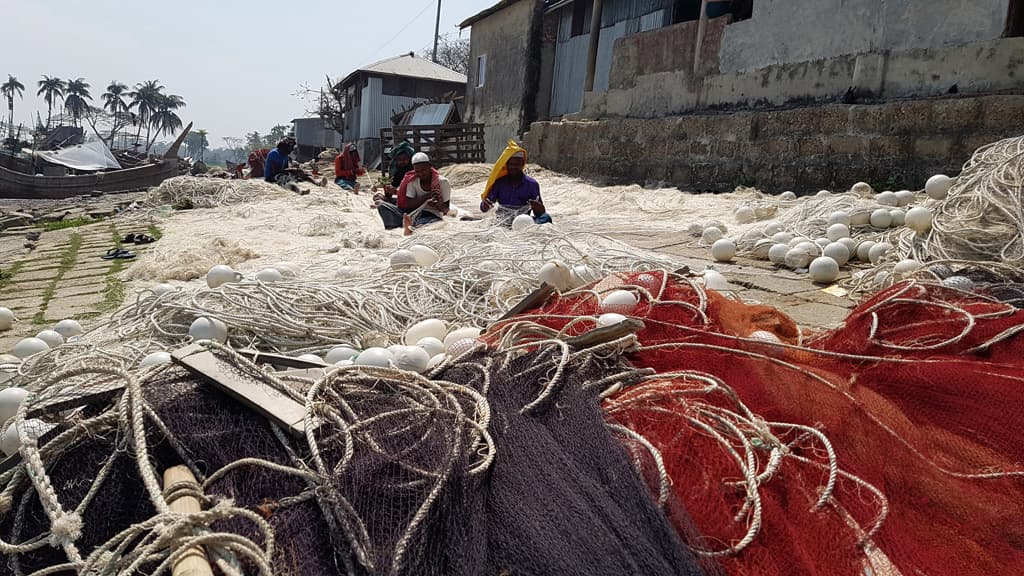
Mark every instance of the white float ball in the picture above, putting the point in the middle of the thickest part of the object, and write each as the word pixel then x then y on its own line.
pixel 904 197
pixel 899 217
pixel 432 345
pixel 937 187
pixel 609 319
pixel 556 274
pixel 850 244
pixel 773 228
pixel 713 280
pixel 29 346
pixel 268 275
pixel 838 252
pixel 340 353
pixel 864 250
pixel 460 334
pixel 723 250
pixel 522 222
pixel 822 242
pixel 375 356
pixel 787 195
pixel 162 288
pixel 425 255
pixel 581 275
pixel 10 442
pixel 799 257
pixel 717 224
pixel 619 300
pixel 6 318
pixel 861 189
pixel 68 328
pixel 411 358
pixel 648 282
pixel 839 217
pixel 761 248
pixel 204 328
pixel 837 231
pixel 310 358
pixel 782 237
pixel 777 253
pixel 886 198
pixel 878 252
pixel 52 338
pixel 287 269
pixel 435 361
pixel 860 217
pixel 10 399
pixel 403 259
pixel 907 266
pixel 764 336
pixel 463 345
pixel 429 328
pixel 823 193
pixel 809 247
pixel 797 240
pixel 919 219
pixel 881 218
pixel 959 283
pixel 344 272
pixel 711 235
pixel 219 275
pixel 695 229
pixel 155 359
pixel 823 270
pixel 745 215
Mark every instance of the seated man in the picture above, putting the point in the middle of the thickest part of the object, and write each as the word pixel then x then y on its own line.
pixel 401 164
pixel 257 159
pixel 515 193
pixel 426 194
pixel 347 168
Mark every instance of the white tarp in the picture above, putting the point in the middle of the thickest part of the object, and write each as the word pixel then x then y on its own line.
pixel 88 157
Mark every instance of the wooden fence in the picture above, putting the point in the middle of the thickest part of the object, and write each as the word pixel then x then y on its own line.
pixel 445 144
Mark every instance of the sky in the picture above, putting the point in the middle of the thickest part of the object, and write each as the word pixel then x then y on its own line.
pixel 237 64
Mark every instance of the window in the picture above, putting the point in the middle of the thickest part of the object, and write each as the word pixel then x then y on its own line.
pixel 481 70
pixel 581 11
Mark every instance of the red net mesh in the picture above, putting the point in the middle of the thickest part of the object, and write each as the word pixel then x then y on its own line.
pixel 893 440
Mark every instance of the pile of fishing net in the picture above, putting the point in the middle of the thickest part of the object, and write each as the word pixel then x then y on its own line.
pixel 892 442
pixel 185 192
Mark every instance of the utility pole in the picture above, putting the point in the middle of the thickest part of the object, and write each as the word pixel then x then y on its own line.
pixel 437 29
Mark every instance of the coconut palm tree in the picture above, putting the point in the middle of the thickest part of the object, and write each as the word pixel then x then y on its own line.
pixel 115 103
pixel 164 120
pixel 9 89
pixel 201 142
pixel 145 100
pixel 51 89
pixel 77 92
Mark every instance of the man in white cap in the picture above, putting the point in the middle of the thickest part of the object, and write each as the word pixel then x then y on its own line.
pixel 424 196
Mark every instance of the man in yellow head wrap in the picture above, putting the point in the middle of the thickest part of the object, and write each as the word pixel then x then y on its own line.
pixel 512 190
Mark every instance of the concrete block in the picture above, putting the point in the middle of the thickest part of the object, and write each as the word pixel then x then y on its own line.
pixel 955 115
pixel 832 119
pixel 908 117
pixel 933 146
pixel 780 148
pixel 1002 112
pixel 888 146
pixel 811 146
pixel 866 119
pixel 843 144
pixel 69 289
pixel 726 148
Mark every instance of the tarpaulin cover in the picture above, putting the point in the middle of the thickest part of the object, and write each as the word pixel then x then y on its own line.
pixel 89 157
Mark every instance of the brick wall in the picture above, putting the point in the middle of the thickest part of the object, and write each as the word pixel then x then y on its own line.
pixel 891 145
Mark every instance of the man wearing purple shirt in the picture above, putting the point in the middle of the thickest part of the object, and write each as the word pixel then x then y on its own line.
pixel 515 193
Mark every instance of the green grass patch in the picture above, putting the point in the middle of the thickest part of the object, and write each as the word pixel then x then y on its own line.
pixel 115 290
pixel 72 223
pixel 7 275
pixel 154 231
pixel 67 260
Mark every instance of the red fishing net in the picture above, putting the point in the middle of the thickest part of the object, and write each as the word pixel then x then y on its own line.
pixel 892 442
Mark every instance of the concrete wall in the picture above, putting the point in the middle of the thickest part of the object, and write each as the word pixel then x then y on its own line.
pixel 891 145
pixel 789 31
pixel 647 81
pixel 498 104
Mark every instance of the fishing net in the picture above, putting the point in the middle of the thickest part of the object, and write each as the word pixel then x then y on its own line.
pixel 501 463
pixel 892 442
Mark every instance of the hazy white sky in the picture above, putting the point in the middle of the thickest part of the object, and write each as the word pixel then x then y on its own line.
pixel 235 63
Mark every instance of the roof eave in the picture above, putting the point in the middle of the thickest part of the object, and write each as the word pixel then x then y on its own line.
pixel 485 13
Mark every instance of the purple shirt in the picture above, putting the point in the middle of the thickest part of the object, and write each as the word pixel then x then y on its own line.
pixel 512 194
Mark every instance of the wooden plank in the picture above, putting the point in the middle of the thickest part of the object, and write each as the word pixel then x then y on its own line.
pixel 259 396
pixel 193 561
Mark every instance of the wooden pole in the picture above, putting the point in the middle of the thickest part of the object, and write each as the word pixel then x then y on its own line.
pixel 437 29
pixel 595 39
pixel 702 24
pixel 193 562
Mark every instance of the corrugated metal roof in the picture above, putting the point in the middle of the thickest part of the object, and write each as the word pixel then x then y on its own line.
pixel 430 114
pixel 411 66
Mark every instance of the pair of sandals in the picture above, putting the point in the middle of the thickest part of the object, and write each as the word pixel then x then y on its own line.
pixel 138 239
pixel 118 254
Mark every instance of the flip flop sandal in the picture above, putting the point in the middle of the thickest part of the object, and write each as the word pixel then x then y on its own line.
pixel 129 239
pixel 144 239
pixel 118 254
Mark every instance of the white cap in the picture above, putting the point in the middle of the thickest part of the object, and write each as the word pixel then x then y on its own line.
pixel 420 158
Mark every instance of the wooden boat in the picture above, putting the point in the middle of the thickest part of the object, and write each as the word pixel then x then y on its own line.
pixel 18 185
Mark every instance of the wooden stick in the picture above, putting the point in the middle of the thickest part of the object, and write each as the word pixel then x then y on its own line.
pixel 193 562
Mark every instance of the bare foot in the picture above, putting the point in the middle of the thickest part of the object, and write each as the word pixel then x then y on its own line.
pixel 407 225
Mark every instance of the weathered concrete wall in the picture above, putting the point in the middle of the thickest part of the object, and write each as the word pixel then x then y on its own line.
pixel 789 31
pixel 498 104
pixel 979 68
pixel 891 145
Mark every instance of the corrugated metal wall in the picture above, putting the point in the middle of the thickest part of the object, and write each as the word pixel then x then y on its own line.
pixel 618 18
pixel 377 108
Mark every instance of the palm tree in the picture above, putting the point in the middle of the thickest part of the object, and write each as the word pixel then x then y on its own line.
pixel 75 99
pixel 114 102
pixel 145 100
pixel 164 120
pixel 203 142
pixel 9 89
pixel 50 89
